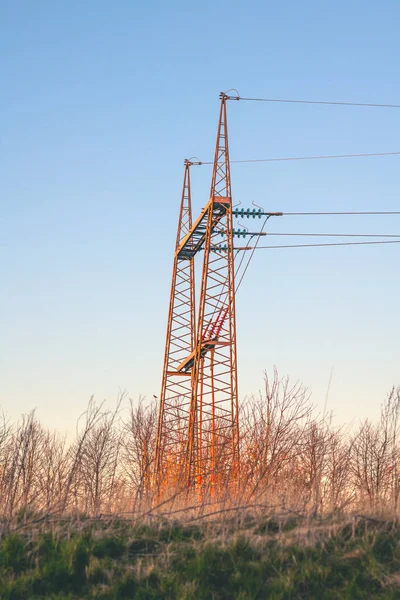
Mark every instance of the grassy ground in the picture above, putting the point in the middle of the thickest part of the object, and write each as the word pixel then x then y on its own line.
pixel 254 559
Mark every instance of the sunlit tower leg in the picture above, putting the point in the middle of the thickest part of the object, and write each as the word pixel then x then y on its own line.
pixel 176 387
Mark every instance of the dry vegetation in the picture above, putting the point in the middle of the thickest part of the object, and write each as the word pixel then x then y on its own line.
pixel 315 516
pixel 291 461
pixel 248 557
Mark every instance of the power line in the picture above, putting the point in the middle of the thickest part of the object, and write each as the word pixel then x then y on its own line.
pixel 323 102
pixel 319 157
pixel 319 245
pixel 355 213
pixel 302 214
pixel 296 158
pixel 368 235
pixel 252 254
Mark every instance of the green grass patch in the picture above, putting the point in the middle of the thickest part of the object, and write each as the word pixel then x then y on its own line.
pixel 259 559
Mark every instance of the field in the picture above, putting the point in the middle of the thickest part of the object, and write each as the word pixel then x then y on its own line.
pixel 245 557
pixel 314 513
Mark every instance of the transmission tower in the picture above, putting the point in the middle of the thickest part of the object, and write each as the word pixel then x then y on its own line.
pixel 198 432
pixel 176 387
pixel 213 437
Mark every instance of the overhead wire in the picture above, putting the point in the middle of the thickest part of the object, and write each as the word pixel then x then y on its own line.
pixel 237 270
pixel 348 212
pixel 314 157
pixel 319 245
pixel 322 102
pixel 298 158
pixel 318 157
pixel 368 235
pixel 219 306
pixel 252 254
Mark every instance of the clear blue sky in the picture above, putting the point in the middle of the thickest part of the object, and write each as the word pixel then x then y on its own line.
pixel 100 102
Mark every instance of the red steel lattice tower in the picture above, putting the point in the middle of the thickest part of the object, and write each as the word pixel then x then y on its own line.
pixel 213 441
pixel 208 454
pixel 176 387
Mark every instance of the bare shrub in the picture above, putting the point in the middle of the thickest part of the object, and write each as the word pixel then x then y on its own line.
pixel 139 441
pixel 272 428
pixel 290 460
pixel 375 458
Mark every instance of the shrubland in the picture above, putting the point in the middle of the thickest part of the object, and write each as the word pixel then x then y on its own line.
pixel 312 515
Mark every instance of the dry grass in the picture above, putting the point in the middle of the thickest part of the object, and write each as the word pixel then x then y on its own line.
pixel 291 462
pixel 246 557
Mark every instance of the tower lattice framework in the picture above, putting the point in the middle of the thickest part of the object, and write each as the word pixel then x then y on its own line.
pixel 198 431
pixel 176 387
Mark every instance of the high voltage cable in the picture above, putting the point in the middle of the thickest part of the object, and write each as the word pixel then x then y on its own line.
pixel 318 245
pixel 355 213
pixel 297 158
pixel 320 157
pixel 323 102
pixel 368 235
pixel 252 254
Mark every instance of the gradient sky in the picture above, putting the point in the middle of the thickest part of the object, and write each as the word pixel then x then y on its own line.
pixel 101 101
